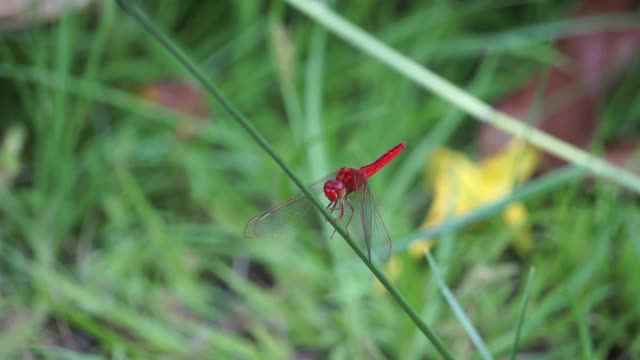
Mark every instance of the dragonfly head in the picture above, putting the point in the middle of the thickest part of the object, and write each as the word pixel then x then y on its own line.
pixel 334 190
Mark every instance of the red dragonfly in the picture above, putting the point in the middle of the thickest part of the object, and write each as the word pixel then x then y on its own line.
pixel 336 188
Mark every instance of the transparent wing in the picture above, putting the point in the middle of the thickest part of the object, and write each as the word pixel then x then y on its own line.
pixel 297 207
pixel 376 237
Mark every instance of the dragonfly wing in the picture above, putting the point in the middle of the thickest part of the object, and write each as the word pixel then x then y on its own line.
pixel 295 208
pixel 376 237
pixel 271 220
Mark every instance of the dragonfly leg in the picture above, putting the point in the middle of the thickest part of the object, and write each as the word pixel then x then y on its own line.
pixel 333 208
pixel 352 212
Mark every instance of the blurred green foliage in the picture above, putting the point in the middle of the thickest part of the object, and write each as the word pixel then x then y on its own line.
pixel 122 239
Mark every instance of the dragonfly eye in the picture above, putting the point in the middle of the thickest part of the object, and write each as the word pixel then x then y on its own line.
pixel 334 190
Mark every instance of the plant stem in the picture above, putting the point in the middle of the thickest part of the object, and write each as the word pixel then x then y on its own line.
pixel 150 27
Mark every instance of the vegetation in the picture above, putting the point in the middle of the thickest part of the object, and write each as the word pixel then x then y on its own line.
pixel 121 213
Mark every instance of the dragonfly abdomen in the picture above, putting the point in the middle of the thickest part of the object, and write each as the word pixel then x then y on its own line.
pixel 383 160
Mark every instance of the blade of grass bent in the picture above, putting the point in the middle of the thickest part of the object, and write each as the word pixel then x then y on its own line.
pixel 163 39
pixel 458 97
pixel 457 309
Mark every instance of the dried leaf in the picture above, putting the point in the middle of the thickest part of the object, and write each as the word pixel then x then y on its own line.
pixel 181 97
pixel 563 102
pixel 24 13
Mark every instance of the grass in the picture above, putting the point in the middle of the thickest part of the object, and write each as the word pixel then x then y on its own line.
pixel 121 239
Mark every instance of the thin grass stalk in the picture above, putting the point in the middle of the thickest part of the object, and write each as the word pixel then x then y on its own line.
pixel 525 301
pixel 163 39
pixel 476 339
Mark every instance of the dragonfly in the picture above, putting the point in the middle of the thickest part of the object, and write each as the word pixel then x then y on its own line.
pixel 340 189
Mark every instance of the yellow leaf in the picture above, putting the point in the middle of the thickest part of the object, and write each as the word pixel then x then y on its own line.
pixel 460 185
pixel 515 214
pixel 418 248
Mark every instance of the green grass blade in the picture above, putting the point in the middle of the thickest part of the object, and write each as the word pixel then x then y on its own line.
pixel 457 309
pixel 151 28
pixel 580 311
pixel 316 151
pixel 525 301
pixel 460 98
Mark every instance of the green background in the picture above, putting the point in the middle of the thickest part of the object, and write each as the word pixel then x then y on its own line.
pixel 119 238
